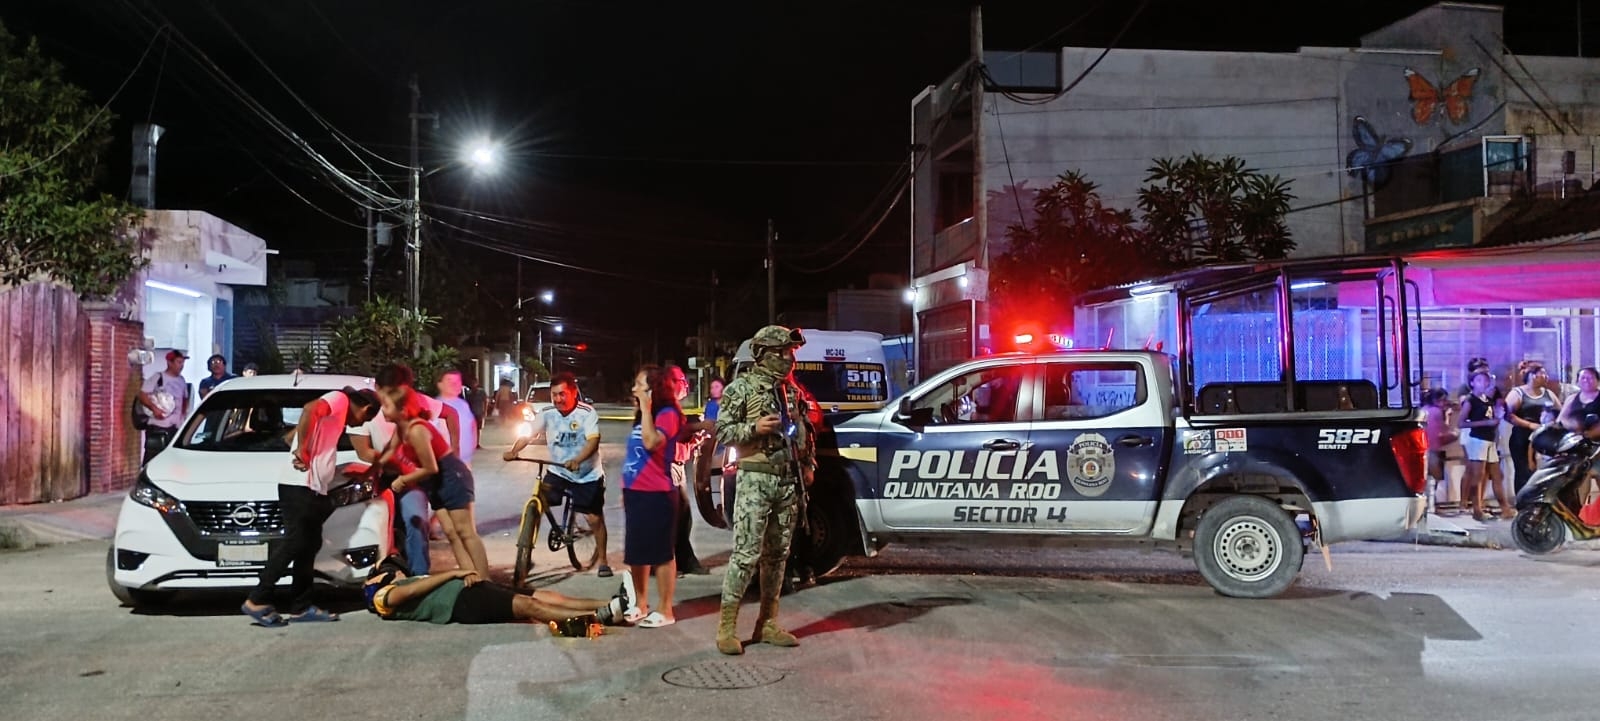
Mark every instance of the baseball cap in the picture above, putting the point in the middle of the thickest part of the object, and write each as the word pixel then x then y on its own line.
pixel 175 353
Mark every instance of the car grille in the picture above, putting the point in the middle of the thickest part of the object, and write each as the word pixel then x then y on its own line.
pixel 223 517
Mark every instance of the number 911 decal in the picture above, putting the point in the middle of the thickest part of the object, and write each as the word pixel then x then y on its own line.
pixel 1339 439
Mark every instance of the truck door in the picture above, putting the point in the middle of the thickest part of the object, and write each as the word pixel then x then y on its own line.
pixel 1109 434
pixel 954 464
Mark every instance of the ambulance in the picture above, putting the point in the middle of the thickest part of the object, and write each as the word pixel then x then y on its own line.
pixel 843 369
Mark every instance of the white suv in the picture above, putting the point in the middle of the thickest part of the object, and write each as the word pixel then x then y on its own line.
pixel 204 512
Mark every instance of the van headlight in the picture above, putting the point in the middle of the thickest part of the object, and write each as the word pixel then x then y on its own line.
pixel 146 493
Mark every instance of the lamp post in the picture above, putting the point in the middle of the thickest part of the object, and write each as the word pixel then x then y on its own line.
pixel 546 297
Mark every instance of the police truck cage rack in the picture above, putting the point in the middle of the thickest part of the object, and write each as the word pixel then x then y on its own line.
pixel 1242 334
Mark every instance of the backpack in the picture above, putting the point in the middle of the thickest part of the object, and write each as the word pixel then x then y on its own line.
pixel 140 414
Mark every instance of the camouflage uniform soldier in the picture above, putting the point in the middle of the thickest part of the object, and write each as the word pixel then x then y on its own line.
pixel 758 409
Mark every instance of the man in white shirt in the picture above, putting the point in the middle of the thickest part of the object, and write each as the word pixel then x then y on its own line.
pixel 571 430
pixel 166 395
pixel 450 386
pixel 304 505
pixel 374 444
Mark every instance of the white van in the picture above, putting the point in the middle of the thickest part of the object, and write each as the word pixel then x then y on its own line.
pixel 843 369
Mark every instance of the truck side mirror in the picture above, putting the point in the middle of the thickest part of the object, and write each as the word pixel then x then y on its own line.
pixel 913 417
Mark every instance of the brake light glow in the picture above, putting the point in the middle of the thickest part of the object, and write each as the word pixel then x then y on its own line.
pixel 1411 453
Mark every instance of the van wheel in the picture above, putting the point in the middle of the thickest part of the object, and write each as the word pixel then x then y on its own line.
pixel 1248 547
pixel 131 597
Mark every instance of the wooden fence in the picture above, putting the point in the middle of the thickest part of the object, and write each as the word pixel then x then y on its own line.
pixel 44 351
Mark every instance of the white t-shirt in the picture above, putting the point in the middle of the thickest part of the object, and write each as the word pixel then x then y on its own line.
pixel 168 390
pixel 469 429
pixel 566 435
pixel 323 468
pixel 381 431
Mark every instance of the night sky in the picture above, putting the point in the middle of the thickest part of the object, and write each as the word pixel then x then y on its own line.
pixel 649 142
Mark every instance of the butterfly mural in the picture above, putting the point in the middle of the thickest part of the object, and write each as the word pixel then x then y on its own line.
pixel 1427 99
pixel 1373 155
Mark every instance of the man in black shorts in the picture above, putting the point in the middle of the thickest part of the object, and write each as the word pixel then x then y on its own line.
pixel 571 429
pixel 462 596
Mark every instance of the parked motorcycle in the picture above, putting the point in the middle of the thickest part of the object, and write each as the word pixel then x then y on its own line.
pixel 1549 506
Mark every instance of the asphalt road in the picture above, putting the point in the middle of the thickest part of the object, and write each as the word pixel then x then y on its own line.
pixel 1393 632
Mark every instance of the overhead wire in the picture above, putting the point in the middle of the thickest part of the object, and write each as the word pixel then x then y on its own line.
pixel 337 135
pixel 358 192
pixel 1084 74
pixel 100 111
pixel 499 245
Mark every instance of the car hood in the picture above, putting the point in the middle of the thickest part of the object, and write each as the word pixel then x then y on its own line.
pixel 211 476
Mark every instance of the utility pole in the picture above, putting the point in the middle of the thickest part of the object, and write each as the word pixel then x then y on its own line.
pixel 372 241
pixel 414 238
pixel 772 277
pixel 516 344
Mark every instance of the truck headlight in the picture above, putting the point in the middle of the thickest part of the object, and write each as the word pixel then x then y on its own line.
pixel 145 493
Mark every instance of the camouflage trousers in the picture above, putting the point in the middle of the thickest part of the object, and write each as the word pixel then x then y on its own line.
pixel 765 508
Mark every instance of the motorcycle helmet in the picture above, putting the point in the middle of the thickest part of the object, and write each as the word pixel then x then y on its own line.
pixel 1547 440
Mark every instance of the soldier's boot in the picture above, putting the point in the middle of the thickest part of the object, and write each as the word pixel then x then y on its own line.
pixel 728 630
pixel 767 629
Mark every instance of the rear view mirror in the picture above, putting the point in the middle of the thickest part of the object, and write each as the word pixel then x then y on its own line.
pixel 905 407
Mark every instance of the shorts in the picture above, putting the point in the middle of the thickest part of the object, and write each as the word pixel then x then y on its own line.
pixel 650 526
pixel 1478 449
pixel 453 489
pixel 484 602
pixel 587 498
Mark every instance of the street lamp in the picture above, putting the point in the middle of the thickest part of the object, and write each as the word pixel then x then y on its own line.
pixel 547 297
pixel 482 156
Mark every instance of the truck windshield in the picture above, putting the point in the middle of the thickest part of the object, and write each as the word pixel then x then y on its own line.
pixel 843 382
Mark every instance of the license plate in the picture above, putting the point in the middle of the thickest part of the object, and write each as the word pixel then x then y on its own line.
pixel 239 554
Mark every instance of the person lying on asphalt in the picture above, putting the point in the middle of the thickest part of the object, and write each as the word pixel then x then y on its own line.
pixel 463 596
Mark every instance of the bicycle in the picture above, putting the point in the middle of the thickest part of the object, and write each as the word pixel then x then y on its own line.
pixel 571 532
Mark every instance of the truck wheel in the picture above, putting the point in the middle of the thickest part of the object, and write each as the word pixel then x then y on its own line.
pixel 1248 547
pixel 831 534
pixel 131 597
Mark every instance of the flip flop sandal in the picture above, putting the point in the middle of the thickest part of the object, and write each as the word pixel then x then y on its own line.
pixel 313 614
pixel 656 620
pixel 265 617
pixel 604 572
pixel 636 614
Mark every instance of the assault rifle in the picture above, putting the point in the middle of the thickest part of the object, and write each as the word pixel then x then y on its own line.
pixel 789 433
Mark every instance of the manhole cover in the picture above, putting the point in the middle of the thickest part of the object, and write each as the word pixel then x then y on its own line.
pixel 722 675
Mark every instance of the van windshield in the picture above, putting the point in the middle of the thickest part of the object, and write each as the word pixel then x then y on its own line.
pixel 843 382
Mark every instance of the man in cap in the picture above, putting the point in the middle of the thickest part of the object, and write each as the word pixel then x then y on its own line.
pixel 763 415
pixel 166 395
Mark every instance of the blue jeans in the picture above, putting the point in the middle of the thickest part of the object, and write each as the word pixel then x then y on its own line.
pixel 414 517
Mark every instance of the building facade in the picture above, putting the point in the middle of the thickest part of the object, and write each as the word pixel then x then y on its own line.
pixel 1422 137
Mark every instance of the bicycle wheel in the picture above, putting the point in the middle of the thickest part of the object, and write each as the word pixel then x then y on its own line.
pixel 582 547
pixel 558 535
pixel 527 534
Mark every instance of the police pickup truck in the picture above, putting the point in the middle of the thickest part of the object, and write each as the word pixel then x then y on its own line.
pixel 1094 448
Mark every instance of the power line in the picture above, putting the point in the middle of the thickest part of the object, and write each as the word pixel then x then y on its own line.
pixel 78 134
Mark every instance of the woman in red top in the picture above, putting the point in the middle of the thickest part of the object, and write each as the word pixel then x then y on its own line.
pixel 425 459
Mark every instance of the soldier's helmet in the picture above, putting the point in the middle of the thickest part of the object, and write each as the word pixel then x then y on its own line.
pixel 777 336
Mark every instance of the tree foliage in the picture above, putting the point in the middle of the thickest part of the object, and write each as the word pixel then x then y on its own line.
pixel 1073 243
pixel 1201 210
pixel 1193 211
pixel 382 332
pixel 51 141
